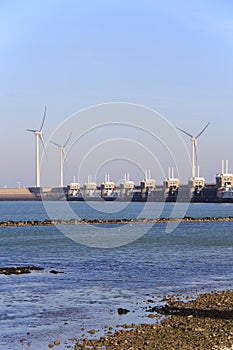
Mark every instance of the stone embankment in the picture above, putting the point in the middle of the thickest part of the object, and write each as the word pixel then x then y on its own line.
pixel 112 222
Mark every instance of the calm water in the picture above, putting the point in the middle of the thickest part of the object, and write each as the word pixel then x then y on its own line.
pixel 95 282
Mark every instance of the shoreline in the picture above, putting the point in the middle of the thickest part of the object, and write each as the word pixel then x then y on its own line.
pixel 205 323
pixel 47 222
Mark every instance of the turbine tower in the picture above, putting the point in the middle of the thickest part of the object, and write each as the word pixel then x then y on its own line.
pixel 194 148
pixel 38 134
pixel 62 157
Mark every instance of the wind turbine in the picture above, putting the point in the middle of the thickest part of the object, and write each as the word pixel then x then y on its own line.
pixel 62 157
pixel 194 147
pixel 38 134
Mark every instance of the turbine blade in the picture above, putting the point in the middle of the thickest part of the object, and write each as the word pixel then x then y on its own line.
pixel 185 132
pixel 31 130
pixel 67 140
pixel 56 144
pixel 202 130
pixel 43 120
pixel 42 141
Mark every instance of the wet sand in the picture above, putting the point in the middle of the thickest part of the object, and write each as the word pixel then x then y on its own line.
pixel 205 323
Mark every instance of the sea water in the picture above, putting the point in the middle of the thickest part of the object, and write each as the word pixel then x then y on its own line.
pixel 93 283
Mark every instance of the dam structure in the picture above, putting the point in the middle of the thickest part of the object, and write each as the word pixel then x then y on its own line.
pixel 195 190
pixel 148 190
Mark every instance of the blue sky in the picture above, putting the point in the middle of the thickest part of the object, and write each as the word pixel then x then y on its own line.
pixel 175 57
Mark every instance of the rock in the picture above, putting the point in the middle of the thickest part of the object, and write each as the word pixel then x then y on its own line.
pixel 55 272
pixel 18 270
pixel 57 342
pixel 122 311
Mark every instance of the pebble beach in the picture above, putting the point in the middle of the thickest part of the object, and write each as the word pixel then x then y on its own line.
pixel 205 323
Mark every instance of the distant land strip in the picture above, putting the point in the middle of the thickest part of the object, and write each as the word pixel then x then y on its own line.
pixel 47 222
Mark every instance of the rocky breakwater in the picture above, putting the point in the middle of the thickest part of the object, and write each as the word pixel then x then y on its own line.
pixel 205 323
pixel 47 222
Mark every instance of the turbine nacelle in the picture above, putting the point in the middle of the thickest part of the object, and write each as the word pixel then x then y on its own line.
pixel 194 148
